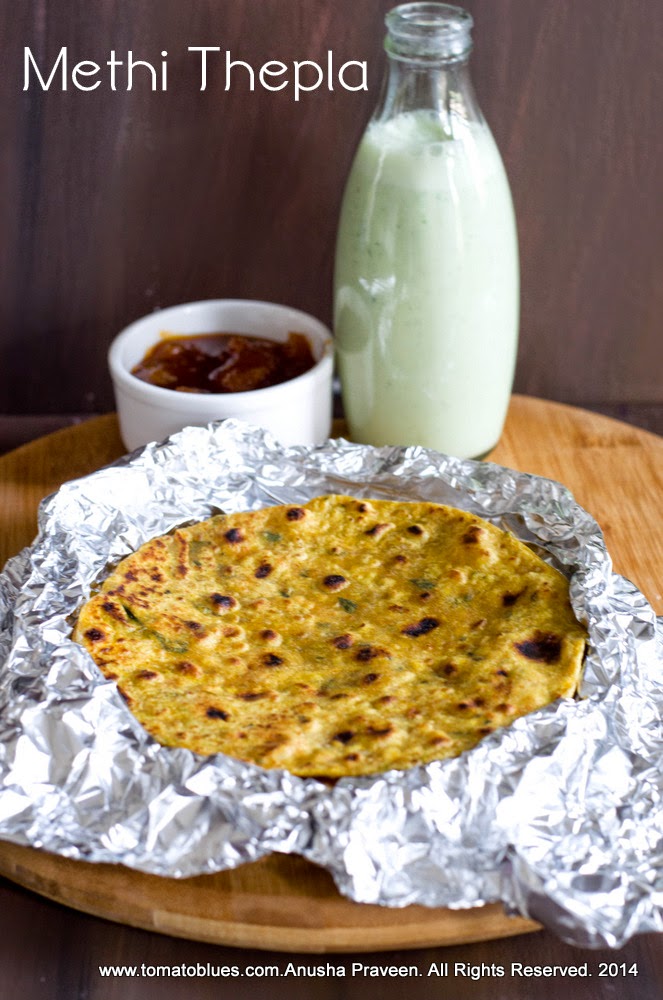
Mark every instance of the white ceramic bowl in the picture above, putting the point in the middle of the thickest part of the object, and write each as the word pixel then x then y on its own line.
pixel 296 412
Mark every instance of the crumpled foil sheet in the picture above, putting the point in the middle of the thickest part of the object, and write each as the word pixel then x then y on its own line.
pixel 560 816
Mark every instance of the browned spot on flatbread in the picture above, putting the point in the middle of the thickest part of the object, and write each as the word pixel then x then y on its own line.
pixel 216 713
pixel 545 647
pixel 344 641
pixel 422 627
pixel 223 601
pixel 377 530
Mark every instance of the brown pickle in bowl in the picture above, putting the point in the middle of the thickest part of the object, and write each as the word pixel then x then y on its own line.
pixel 223 362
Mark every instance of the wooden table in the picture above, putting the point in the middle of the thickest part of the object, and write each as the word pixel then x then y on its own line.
pixel 52 951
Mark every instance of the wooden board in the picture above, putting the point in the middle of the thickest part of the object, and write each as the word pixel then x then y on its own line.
pixel 285 903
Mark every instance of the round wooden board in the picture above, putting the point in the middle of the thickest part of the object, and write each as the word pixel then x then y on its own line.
pixel 284 903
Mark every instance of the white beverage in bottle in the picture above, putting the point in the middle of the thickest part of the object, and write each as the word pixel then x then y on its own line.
pixel 426 279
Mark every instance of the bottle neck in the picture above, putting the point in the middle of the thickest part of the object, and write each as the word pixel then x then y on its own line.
pixel 441 87
pixel 428 45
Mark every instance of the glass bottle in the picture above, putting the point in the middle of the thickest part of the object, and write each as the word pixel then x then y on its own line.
pixel 426 298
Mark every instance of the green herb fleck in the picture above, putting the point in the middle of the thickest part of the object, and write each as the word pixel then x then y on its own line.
pixel 171 646
pixel 346 604
pixel 424 584
pixel 271 536
pixel 131 614
pixel 195 550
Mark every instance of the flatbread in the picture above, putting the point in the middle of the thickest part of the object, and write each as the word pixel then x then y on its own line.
pixel 339 637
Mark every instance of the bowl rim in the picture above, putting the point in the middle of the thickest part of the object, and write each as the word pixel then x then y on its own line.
pixel 186 400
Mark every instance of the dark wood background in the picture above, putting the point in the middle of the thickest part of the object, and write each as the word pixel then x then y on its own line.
pixel 115 203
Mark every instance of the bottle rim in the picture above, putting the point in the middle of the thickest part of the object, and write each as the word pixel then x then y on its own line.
pixel 428 30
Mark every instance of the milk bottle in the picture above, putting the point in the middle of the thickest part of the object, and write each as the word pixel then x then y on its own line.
pixel 426 295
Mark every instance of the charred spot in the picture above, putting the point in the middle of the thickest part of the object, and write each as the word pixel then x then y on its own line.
pixel 387 699
pixel 425 595
pixel 370 678
pixel 263 570
pixel 253 695
pixel 508 600
pixel 344 737
pixel 501 673
pixel 269 634
pixel 414 529
pixel 156 576
pixel 223 601
pixel 195 627
pixel 230 631
pixel 472 535
pixel 362 508
pixel 233 535
pixel 130 575
pixel 377 530
pixel 339 696
pixel 422 627
pixel 351 756
pixel 544 647
pixel 479 623
pixel 125 697
pixel 505 707
pixel 400 558
pixel 112 610
pixel 146 675
pixel 367 653
pixel 486 730
pixel 295 513
pixel 343 641
pixel 185 667
pixel 271 660
pixel 216 713
pixel 334 581
pixel 94 634
pixel 374 731
pixel 446 670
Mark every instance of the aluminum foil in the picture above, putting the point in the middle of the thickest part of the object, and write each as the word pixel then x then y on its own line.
pixel 559 816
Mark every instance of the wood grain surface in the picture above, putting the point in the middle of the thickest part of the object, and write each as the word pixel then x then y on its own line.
pixel 114 203
pixel 280 903
pixel 284 903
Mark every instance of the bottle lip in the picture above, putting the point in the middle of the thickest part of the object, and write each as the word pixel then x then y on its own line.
pixel 428 31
